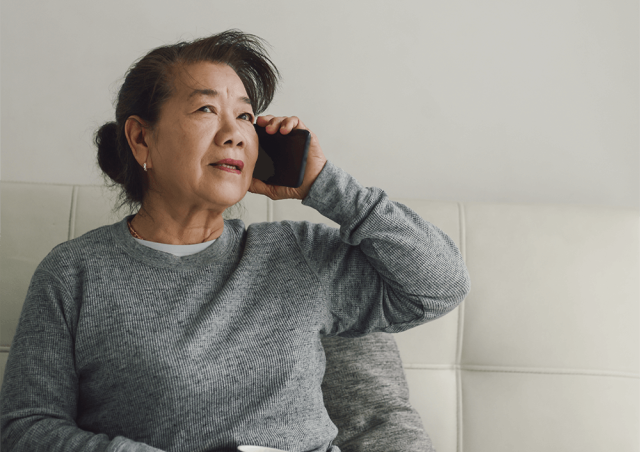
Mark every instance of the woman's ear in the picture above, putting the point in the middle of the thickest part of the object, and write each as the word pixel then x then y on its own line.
pixel 138 133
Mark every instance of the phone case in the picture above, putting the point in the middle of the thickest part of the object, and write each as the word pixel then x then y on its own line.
pixel 282 159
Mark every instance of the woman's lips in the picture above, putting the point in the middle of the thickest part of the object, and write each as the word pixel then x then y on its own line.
pixel 224 168
pixel 237 163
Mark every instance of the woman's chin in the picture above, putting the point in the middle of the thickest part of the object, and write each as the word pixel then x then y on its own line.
pixel 229 196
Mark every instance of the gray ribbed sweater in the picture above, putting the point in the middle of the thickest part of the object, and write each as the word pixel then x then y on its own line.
pixel 124 348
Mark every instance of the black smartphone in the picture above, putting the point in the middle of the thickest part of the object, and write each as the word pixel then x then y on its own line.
pixel 282 159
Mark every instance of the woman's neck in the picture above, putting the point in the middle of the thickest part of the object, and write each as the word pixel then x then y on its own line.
pixel 177 228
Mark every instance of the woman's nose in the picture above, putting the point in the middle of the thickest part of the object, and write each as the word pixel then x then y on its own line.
pixel 229 133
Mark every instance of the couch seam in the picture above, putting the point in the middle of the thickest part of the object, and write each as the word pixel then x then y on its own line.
pixel 463 251
pixel 72 212
pixel 459 411
pixel 4 181
pixel 524 370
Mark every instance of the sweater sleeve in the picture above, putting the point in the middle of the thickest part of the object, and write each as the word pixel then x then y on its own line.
pixel 386 268
pixel 40 387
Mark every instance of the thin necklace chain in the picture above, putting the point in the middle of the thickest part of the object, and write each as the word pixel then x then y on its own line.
pixel 136 235
pixel 133 231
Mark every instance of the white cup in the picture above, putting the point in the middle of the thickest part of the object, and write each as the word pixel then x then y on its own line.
pixel 258 449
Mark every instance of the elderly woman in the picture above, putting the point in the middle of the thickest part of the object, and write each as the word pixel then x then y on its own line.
pixel 178 330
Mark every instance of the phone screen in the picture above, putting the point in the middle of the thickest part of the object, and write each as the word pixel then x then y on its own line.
pixel 282 159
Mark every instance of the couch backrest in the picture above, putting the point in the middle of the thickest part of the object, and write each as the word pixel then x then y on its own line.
pixel 542 355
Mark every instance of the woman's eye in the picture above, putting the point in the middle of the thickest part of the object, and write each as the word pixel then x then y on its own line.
pixel 246 116
pixel 206 109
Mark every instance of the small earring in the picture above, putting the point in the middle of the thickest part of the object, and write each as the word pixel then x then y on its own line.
pixel 145 166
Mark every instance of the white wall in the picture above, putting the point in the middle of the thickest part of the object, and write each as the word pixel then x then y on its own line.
pixel 494 100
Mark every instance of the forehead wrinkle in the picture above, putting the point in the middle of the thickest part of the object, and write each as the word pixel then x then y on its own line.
pixel 182 70
pixel 203 92
pixel 213 93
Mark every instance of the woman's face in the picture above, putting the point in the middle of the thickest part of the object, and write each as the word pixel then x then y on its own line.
pixel 207 119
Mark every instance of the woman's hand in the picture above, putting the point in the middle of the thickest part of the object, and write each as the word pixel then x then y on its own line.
pixel 315 159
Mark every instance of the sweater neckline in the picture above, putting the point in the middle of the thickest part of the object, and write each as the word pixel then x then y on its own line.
pixel 216 251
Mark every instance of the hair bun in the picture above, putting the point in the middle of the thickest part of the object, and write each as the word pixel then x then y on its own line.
pixel 106 139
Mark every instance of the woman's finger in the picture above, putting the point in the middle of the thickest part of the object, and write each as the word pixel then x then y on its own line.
pixel 288 124
pixel 275 192
pixel 264 120
pixel 273 124
pixel 259 187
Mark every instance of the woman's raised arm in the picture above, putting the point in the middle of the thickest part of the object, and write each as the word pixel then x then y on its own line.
pixel 387 269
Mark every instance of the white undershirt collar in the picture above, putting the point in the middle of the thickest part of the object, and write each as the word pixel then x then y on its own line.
pixel 177 250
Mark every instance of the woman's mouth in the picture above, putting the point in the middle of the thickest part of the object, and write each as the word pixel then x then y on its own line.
pixel 230 165
pixel 226 167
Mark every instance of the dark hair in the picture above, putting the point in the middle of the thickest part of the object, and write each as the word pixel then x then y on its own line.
pixel 148 85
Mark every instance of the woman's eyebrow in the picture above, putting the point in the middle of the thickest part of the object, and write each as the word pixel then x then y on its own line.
pixel 203 92
pixel 214 93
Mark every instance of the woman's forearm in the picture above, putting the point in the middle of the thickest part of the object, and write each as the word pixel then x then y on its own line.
pixel 389 267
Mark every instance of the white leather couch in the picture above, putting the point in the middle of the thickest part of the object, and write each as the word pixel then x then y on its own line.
pixel 541 356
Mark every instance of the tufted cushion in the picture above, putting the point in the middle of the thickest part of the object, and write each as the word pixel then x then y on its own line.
pixel 367 397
